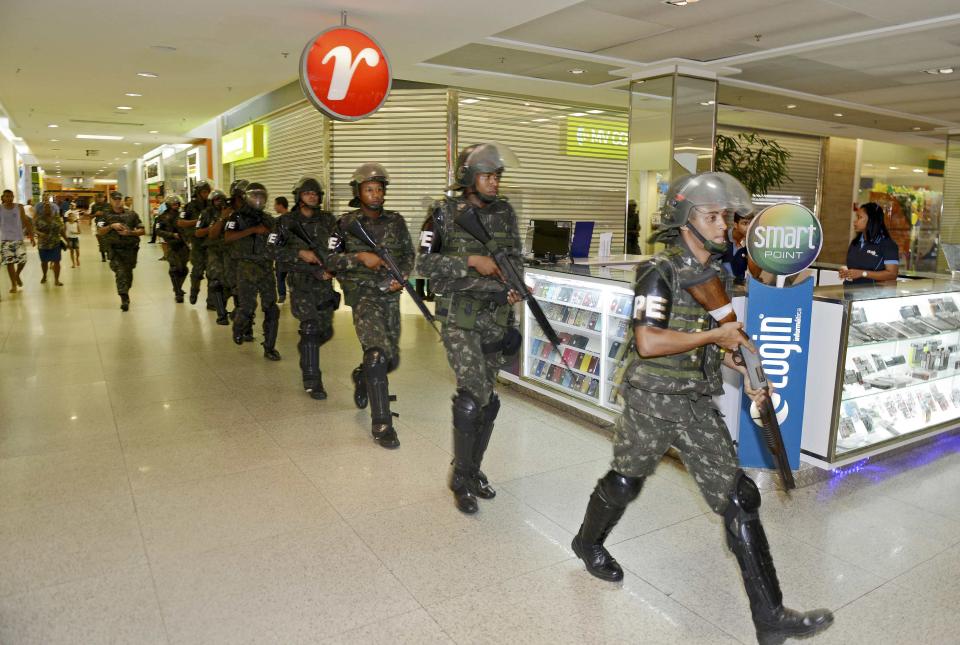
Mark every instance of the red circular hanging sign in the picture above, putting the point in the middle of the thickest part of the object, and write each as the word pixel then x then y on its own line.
pixel 345 73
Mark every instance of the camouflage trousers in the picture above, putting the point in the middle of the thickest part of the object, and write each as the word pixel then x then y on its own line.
pixel 376 318
pixel 651 423
pixel 229 271
pixel 122 263
pixel 475 371
pixel 312 300
pixel 198 259
pixel 255 279
pixel 177 256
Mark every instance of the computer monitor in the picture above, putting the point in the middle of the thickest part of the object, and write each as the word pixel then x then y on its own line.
pixel 551 238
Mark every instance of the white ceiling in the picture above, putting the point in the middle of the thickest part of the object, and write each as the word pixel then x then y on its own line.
pixel 61 62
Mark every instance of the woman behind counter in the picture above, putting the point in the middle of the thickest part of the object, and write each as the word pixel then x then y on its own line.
pixel 873 256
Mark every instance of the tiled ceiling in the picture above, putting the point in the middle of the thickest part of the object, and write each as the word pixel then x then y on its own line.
pixel 502 60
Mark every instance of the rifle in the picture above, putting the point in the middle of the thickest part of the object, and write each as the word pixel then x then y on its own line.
pixel 300 232
pixel 713 297
pixel 356 229
pixel 470 222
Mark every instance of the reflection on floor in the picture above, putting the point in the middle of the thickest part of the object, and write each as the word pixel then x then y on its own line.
pixel 159 484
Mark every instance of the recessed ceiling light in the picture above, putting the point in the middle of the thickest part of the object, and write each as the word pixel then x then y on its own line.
pixel 469 101
pixel 707 102
pixel 945 70
pixel 105 137
pixel 918 170
pixel 540 120
pixel 577 70
pixel 147 74
pixel 594 111
pixel 125 152
pixel 791 106
pixel 124 107
pixel 54 140
pixel 132 94
pixel 154 131
pixel 894 167
pixel 53 125
pixel 578 114
pixel 838 114
pixel 137 143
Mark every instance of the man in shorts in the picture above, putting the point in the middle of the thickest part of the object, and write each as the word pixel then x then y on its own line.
pixel 14 224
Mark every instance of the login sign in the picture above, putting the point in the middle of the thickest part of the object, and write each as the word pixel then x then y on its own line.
pixel 784 239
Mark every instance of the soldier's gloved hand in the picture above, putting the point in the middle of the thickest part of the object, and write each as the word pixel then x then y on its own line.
pixel 485 265
pixel 370 260
pixel 308 256
pixel 513 297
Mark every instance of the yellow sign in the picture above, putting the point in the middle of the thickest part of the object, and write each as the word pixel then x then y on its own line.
pixel 242 144
pixel 596 138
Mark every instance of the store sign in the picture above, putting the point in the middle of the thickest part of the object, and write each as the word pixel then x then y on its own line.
pixel 778 323
pixel 596 138
pixel 245 143
pixel 345 73
pixel 784 239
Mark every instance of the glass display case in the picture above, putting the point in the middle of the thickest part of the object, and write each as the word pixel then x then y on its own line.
pixel 590 308
pixel 897 371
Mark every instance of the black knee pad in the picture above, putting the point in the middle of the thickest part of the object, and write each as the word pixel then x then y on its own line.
pixel 375 360
pixel 744 495
pixel 618 489
pixel 326 334
pixel 393 364
pixel 309 329
pixel 466 410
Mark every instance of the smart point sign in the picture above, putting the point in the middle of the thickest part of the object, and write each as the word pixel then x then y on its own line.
pixel 345 73
pixel 784 239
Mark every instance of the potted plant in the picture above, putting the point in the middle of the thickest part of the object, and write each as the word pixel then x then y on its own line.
pixel 759 164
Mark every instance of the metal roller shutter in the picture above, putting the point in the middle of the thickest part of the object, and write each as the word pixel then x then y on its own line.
pixel 950 218
pixel 408 135
pixel 296 144
pixel 804 165
pixel 550 184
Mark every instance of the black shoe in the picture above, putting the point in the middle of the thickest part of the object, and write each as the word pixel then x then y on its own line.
pixel 316 392
pixel 211 306
pixel 479 486
pixel 124 302
pixel 223 321
pixel 385 435
pixel 464 499
pixel 178 296
pixel 271 353
pixel 597 559
pixel 359 388
pixel 193 296
pixel 248 337
pixel 792 624
pixel 238 339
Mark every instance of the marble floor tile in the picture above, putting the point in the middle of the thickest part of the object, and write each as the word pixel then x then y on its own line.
pixel 415 628
pixel 171 421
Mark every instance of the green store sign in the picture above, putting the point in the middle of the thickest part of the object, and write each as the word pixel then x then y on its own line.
pixel 243 144
pixel 596 138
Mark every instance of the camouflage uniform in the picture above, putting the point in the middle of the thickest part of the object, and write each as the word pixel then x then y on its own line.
pixel 122 249
pixel 198 249
pixel 255 276
pixel 477 323
pixel 312 298
pixel 217 290
pixel 96 212
pixel 178 253
pixel 376 311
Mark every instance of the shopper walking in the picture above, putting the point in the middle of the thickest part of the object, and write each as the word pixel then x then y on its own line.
pixel 72 231
pixel 668 389
pixel 50 236
pixel 281 207
pixel 373 295
pixel 479 329
pixel 312 298
pixel 120 230
pixel 178 253
pixel 14 225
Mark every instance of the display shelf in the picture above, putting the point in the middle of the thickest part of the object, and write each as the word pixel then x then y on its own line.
pixel 911 339
pixel 586 330
pixel 860 393
pixel 568 304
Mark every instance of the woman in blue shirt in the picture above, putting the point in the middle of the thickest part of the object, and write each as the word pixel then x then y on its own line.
pixel 873 256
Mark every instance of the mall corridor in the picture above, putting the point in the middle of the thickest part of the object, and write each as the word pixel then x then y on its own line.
pixel 161 485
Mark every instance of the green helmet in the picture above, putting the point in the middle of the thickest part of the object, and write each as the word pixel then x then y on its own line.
pixel 256 196
pixel 481 158
pixel 307 185
pixel 173 198
pixel 218 194
pixel 704 190
pixel 370 171
pixel 200 185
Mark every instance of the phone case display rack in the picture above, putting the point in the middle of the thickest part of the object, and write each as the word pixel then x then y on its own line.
pixel 898 369
pixel 592 318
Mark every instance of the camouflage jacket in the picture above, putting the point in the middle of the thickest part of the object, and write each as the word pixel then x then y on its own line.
pixel 252 247
pixel 284 246
pixel 207 219
pixel 445 247
pixel 168 230
pixel 388 230
pixel 693 372
pixel 49 229
pixel 192 212
pixel 113 239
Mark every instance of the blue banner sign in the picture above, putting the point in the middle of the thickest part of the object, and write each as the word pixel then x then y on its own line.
pixel 778 323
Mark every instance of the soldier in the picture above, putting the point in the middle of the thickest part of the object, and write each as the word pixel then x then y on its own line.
pixel 188 228
pixel 99 206
pixel 210 233
pixel 120 231
pixel 475 308
pixel 247 230
pixel 312 298
pixel 235 202
pixel 373 295
pixel 668 389
pixel 178 253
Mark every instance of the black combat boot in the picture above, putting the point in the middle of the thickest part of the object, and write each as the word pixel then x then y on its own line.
pixel 271 324
pixel 359 387
pixel 466 425
pixel 248 332
pixel 607 504
pixel 748 541
pixel 124 302
pixel 216 297
pixel 194 290
pixel 478 483
pixel 240 325
pixel 378 393
pixel 309 348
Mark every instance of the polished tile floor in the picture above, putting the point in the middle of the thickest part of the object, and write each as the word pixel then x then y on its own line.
pixel 160 485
